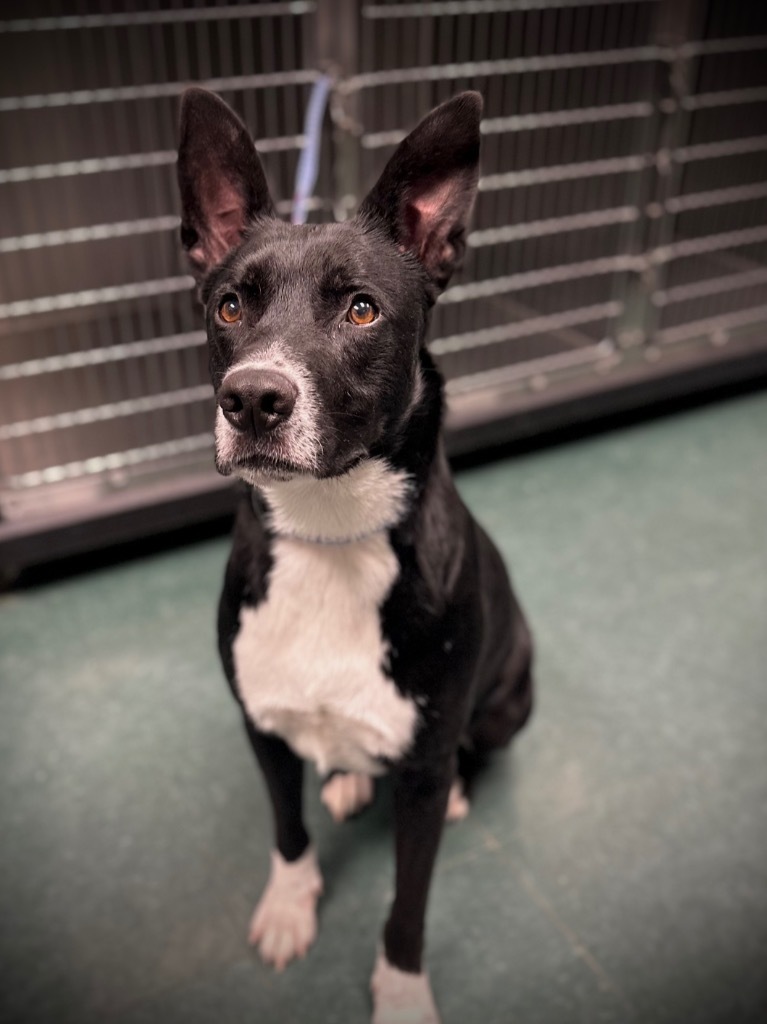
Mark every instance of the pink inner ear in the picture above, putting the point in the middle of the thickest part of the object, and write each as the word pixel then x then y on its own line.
pixel 432 210
pixel 434 205
pixel 223 209
pixel 429 218
pixel 231 222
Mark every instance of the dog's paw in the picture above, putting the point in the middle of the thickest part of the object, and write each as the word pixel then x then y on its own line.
pixel 457 803
pixel 346 794
pixel 284 923
pixel 401 998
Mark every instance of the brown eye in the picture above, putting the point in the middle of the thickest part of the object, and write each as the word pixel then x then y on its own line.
pixel 229 310
pixel 362 311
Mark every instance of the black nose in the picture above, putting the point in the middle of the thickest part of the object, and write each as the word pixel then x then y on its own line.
pixel 257 401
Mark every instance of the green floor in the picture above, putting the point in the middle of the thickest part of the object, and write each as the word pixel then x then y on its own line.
pixel 614 867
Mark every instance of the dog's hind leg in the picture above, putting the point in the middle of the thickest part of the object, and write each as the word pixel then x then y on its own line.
pixel 457 801
pixel 284 923
pixel 499 716
pixel 506 707
pixel 346 794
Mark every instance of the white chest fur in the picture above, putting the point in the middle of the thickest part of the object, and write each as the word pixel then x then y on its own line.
pixel 309 658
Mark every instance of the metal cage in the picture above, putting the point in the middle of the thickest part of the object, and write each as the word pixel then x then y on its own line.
pixel 618 249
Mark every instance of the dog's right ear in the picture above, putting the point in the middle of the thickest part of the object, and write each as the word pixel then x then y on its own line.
pixel 222 183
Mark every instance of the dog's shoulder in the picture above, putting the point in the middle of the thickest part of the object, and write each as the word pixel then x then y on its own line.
pixel 434 541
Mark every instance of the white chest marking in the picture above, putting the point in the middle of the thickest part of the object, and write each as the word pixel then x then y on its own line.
pixel 308 659
pixel 370 497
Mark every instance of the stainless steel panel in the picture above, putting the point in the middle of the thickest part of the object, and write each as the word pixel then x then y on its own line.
pixel 621 218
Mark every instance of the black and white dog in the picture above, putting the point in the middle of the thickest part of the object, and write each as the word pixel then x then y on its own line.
pixel 366 622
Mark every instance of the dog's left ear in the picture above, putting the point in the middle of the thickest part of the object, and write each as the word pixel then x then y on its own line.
pixel 222 183
pixel 425 194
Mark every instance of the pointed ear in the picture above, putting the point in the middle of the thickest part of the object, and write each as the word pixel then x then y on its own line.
pixel 425 194
pixel 222 183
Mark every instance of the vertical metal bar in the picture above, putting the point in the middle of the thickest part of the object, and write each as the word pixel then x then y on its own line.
pixel 507 204
pixel 184 303
pixel 140 427
pixel 63 447
pixel 143 117
pixel 102 380
pixel 177 365
pixel 269 104
pixel 338 36
pixel 674 25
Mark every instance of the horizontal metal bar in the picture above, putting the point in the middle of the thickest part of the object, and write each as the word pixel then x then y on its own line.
pixel 114 460
pixel 285 206
pixel 709 243
pixel 525 328
pixel 457 8
pixel 717 197
pixel 376 140
pixel 552 226
pixel 96 232
pixel 508 66
pixel 86 21
pixel 712 325
pixel 544 276
pixel 558 118
pixel 129 162
pixel 93 165
pixel 726 98
pixel 108 411
pixel 99 356
pixel 94 296
pixel 717 150
pixel 462 7
pixel 120 229
pixel 710 286
pixel 571 359
pixel 529 122
pixel 156 90
pixel 736 44
pixel 565 172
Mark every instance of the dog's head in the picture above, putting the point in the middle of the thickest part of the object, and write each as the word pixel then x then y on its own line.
pixel 315 330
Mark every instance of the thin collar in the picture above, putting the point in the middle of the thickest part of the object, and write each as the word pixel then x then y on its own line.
pixel 332 541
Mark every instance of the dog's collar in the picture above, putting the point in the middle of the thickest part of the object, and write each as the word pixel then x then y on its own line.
pixel 258 508
pixel 332 541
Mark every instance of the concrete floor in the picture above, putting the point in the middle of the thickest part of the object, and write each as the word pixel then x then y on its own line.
pixel 614 866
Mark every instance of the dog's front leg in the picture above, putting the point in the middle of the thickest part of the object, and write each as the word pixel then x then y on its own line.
pixel 400 987
pixel 284 923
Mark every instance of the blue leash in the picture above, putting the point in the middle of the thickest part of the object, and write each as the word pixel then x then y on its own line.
pixel 309 161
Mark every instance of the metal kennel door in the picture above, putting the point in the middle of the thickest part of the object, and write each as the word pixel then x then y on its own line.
pixel 618 251
pixel 619 235
pixel 103 373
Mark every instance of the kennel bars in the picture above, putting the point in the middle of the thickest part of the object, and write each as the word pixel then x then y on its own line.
pixel 618 252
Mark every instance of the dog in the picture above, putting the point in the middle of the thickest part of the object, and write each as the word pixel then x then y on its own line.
pixel 367 623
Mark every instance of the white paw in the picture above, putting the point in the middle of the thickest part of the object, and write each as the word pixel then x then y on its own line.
pixel 457 802
pixel 284 923
pixel 347 793
pixel 401 998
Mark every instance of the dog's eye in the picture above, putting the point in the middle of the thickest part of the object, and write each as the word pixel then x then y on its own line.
pixel 362 311
pixel 230 310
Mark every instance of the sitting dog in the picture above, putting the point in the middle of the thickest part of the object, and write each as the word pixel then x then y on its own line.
pixel 366 623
